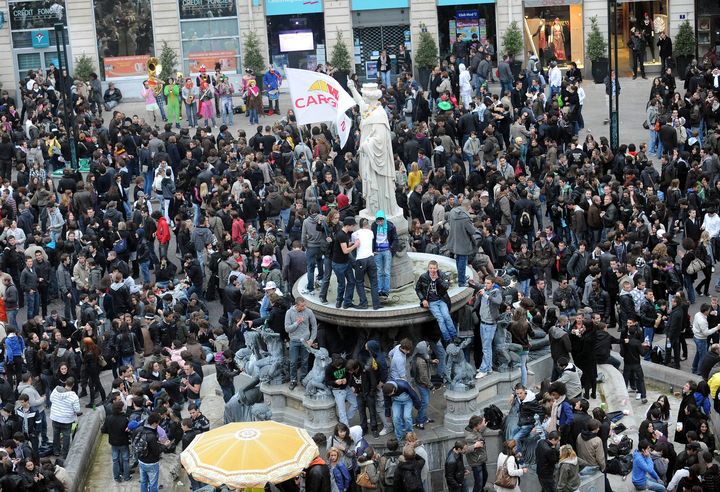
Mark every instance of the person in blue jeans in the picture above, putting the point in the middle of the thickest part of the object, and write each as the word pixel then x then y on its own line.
pixel 404 399
pixel 149 460
pixel 490 300
pixel 385 235
pixel 432 290
pixel 341 249
pixel 529 409
pixel 420 370
pixel 115 426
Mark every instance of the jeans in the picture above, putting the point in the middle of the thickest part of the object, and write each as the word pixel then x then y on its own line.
pixel 226 108
pixel 633 374
pixel 298 354
pixel 402 415
pixel 461 262
pixel 689 287
pixel 654 142
pixel 487 334
pixel 161 107
pixel 149 476
pixel 523 367
pixel 524 287
pixel 62 433
pixel 367 266
pixel 12 317
pixel 191 113
pixel 441 313
pixel 480 477
pixel 505 86
pixel 32 303
pixel 649 333
pixel 120 461
pixel 253 114
pixel 341 396
pixel 145 271
pixel 314 256
pixel 701 348
pixel 345 283
pixel 521 434
pixel 652 485
pixel 386 78
pixel 325 277
pixel 383 260
pixel 424 393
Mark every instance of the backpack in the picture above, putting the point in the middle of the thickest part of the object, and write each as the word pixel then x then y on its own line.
pixel 624 447
pixel 622 465
pixel 493 417
pixel 389 467
pixel 657 355
pixel 140 443
pixel 525 219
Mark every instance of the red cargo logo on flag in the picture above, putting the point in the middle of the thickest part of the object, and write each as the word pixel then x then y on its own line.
pixel 327 94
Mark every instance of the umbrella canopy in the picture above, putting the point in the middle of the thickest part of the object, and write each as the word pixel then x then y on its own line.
pixel 249 454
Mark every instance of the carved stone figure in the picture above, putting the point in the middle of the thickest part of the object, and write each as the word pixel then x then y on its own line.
pixel 261 412
pixel 314 382
pixel 238 408
pixel 272 368
pixel 459 371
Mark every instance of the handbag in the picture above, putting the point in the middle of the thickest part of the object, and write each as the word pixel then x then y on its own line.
pixel 102 362
pixel 503 478
pixel 695 266
pixel 363 480
pixel 120 245
pixel 645 125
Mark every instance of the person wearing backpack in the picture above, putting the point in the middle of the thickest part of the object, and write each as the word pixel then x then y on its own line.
pixel 408 472
pixel 387 465
pixel 409 108
pixel 420 372
pixel 148 450
pixel 475 451
pixel 115 426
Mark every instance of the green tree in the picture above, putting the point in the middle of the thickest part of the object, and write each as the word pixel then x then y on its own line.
pixel 340 57
pixel 253 56
pixel 83 67
pixel 513 40
pixel 684 40
pixel 426 56
pixel 596 45
pixel 168 61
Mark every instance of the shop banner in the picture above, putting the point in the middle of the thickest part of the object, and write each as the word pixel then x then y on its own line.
pixel 201 9
pixel 289 7
pixel 379 4
pixel 553 3
pixel 317 97
pixel 37 14
pixel 227 60
pixel 125 66
pixel 40 38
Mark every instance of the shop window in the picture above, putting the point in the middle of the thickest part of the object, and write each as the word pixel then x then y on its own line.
pixel 209 31
pixel 39 14
pixel 125 36
pixel 555 33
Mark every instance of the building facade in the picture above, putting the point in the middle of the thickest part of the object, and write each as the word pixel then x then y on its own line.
pixel 120 35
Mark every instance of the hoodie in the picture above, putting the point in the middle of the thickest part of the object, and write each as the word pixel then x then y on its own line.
pixel 376 363
pixel 398 361
pixel 313 232
pixel 568 476
pixel 14 347
pixel 590 448
pixel 65 405
pixel 529 408
pixel 571 377
pixel 36 400
pixel 560 345
pixel 642 467
pixel 420 371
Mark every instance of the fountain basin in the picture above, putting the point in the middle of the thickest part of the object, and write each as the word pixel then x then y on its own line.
pixel 402 307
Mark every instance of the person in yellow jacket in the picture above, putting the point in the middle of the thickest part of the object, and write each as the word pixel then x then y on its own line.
pixel 54 149
pixel 172 96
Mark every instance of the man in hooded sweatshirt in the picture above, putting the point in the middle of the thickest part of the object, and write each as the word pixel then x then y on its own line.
pixel 376 368
pixel 313 241
pixel 570 377
pixel 590 446
pixel 64 412
pixel 461 238
pixel 530 409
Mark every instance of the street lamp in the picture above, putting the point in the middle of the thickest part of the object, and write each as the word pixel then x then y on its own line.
pixel 613 106
pixel 67 106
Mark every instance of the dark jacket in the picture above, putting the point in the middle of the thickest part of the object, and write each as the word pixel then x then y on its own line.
pixel 392 236
pixel 529 409
pixel 407 476
pixel 422 287
pixel 317 476
pixel 115 426
pixel 546 457
pixel 154 450
pixel 454 471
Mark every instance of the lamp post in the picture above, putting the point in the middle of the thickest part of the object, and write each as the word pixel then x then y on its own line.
pixel 613 106
pixel 68 119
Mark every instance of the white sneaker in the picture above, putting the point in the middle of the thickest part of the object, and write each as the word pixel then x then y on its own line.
pixel 480 375
pixel 385 431
pixel 637 397
pixel 530 373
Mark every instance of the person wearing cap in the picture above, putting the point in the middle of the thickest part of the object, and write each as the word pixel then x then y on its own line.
pixel 271 272
pixel 384 240
pixel 341 249
pixel 365 265
pixel 632 346
pixel 265 303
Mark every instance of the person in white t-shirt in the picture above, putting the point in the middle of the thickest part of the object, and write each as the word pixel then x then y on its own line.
pixel 365 265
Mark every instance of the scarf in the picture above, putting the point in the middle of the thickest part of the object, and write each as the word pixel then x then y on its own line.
pixel 553 423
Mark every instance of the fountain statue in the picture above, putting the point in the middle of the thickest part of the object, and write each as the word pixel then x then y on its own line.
pixel 239 407
pixel 377 171
pixel 460 372
pixel 314 382
pixel 273 368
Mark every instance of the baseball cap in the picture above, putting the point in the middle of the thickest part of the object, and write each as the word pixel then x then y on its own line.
pixel 266 261
pixel 270 285
pixel 348 221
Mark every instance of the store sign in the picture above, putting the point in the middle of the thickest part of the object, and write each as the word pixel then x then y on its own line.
pixel 379 4
pixel 226 59
pixel 444 3
pixel 287 7
pixel 36 15
pixel 40 39
pixel 201 9
pixel 125 66
pixel 552 3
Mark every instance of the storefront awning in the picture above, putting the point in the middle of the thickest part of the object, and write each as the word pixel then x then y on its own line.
pixel 550 3
pixel 379 4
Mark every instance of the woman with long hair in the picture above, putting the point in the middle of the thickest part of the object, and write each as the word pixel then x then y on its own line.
pixel 520 329
pixel 506 459
pixel 568 472
pixel 91 369
pixel 704 253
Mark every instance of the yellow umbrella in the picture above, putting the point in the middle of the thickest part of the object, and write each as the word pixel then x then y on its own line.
pixel 249 454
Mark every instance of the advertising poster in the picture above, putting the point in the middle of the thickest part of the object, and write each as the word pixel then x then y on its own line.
pixel 371 71
pixel 466 22
pixel 37 14
pixel 202 9
pixel 227 60
pixel 125 66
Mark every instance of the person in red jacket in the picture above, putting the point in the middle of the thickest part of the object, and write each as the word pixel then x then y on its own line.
pixel 163 233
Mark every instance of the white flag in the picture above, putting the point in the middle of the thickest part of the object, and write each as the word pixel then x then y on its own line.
pixel 317 98
pixel 344 125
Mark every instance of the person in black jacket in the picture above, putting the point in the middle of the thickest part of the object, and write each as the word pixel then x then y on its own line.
pixel 455 467
pixel 631 339
pixel 149 460
pixel 115 426
pixel 195 275
pixel 674 331
pixel 317 474
pixel 546 457
pixel 407 474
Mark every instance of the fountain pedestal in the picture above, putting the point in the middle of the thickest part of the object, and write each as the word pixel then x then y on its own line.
pixel 461 405
pixel 295 408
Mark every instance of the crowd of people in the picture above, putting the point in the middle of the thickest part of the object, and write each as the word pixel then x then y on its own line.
pixel 181 238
